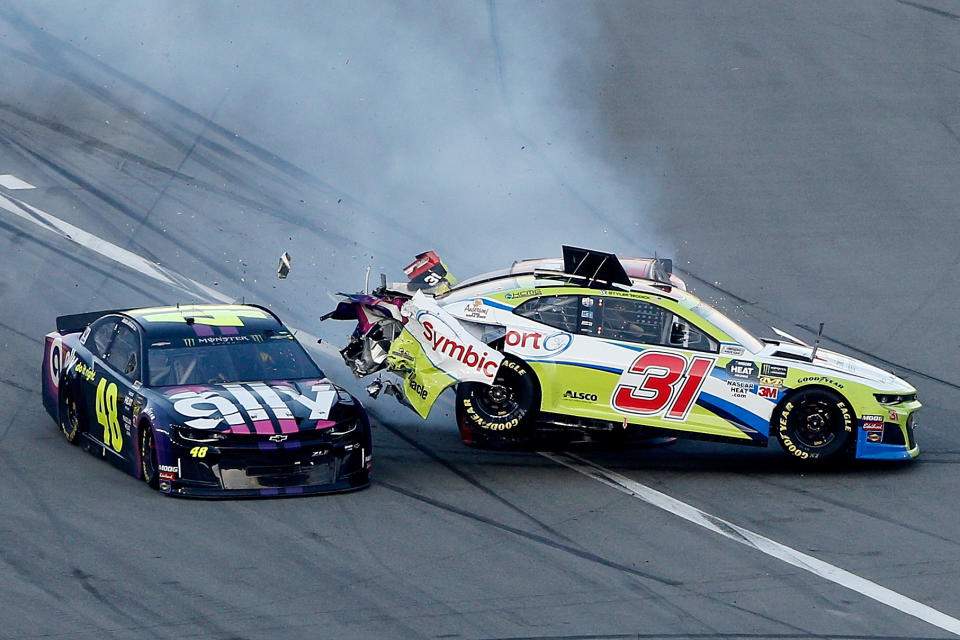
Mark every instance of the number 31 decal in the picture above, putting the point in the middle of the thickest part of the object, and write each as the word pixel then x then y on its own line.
pixel 661 383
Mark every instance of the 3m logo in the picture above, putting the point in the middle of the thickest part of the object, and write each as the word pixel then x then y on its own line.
pixel 659 383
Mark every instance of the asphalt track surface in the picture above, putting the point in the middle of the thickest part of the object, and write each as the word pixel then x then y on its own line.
pixel 798 160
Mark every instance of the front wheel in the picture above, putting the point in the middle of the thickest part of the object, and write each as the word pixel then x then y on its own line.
pixel 503 412
pixel 814 424
pixel 149 468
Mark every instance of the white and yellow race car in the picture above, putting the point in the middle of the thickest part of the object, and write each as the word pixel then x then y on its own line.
pixel 598 345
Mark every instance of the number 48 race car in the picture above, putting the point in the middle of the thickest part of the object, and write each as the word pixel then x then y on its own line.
pixel 204 400
pixel 597 345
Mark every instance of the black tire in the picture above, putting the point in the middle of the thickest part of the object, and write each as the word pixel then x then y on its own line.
pixel 814 424
pixel 70 414
pixel 149 468
pixel 503 412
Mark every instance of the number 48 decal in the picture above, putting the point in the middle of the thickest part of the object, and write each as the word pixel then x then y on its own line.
pixel 107 414
pixel 661 383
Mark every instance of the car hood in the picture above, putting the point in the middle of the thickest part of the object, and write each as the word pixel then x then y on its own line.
pixel 259 407
pixel 831 362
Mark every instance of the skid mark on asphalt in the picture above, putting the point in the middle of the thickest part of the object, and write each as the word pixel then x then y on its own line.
pixel 753 540
pixel 107 249
pixel 585 555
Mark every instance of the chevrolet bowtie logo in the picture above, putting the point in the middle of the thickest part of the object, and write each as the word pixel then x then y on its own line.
pixel 278 438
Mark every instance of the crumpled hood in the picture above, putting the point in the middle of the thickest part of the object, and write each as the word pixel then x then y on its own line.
pixel 259 407
pixel 834 362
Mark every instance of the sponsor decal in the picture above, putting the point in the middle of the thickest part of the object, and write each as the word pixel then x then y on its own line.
pixel 872 422
pixel 742 369
pixel 164 485
pixel 166 475
pixel 417 388
pixel 731 350
pixel 740 388
pixel 586 323
pixel 207 409
pixel 453 348
pixel 586 314
pixel 171 469
pixel 774 370
pixel 588 302
pixel 476 310
pixel 223 339
pixel 823 379
pixel 521 340
pixel 771 382
pixel 278 437
pixel 525 293
pixel 579 395
pixel 85 372
pixel 873 436
pixel 768 392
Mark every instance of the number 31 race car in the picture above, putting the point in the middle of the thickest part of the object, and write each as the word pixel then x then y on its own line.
pixel 598 345
pixel 204 400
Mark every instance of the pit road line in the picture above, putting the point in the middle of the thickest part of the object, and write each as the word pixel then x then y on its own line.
pixel 756 541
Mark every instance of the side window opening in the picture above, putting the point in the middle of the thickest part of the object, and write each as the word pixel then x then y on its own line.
pixel 101 335
pixel 124 352
pixel 560 312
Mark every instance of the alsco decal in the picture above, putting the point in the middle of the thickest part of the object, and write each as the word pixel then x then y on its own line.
pixel 451 347
pixel 662 384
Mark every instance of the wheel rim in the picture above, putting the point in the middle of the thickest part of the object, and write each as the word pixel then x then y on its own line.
pixel 815 424
pixel 498 400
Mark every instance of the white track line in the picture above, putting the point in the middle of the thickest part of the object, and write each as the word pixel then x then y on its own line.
pixel 130 259
pixel 107 249
pixel 13 182
pixel 729 530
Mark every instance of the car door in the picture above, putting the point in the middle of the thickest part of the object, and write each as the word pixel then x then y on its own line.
pixel 668 366
pixel 114 345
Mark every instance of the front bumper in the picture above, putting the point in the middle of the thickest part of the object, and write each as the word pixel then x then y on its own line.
pixel 890 438
pixel 239 467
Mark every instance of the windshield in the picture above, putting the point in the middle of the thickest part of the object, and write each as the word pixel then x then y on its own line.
pixel 276 358
pixel 728 326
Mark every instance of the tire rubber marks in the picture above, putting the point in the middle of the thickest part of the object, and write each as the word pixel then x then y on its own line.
pixel 758 542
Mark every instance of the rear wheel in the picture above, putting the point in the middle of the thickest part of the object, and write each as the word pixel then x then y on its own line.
pixel 71 416
pixel 815 424
pixel 501 413
pixel 148 457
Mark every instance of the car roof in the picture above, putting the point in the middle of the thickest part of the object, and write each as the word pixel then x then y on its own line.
pixel 501 282
pixel 193 320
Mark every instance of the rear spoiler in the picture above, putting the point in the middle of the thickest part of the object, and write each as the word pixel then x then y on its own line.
pixel 79 321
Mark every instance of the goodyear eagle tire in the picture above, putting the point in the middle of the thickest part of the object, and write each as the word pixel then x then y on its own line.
pixel 501 413
pixel 814 424
pixel 70 414
pixel 149 468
